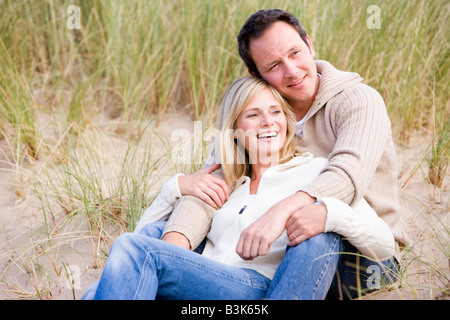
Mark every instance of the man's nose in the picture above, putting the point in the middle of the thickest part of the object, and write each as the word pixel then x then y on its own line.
pixel 290 69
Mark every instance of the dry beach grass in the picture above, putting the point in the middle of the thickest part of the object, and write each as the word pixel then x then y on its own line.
pixel 91 119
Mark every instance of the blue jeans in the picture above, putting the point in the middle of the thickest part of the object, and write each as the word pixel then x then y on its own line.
pixel 145 268
pixel 327 267
pixel 142 267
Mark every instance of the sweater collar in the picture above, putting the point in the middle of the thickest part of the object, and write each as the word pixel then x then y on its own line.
pixel 299 160
pixel 332 82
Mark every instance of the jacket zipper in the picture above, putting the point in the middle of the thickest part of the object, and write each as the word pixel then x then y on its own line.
pixel 242 209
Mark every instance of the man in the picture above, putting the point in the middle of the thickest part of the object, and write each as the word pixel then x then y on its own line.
pixel 339 118
pixel 344 120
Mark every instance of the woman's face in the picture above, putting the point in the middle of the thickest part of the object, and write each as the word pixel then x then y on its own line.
pixel 261 127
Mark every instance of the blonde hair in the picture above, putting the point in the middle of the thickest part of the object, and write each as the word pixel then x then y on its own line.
pixel 232 155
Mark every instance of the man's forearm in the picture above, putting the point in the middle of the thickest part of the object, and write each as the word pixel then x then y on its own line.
pixel 301 199
pixel 292 203
pixel 177 239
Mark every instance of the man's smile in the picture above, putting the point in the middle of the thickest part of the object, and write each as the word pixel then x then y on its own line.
pixel 297 83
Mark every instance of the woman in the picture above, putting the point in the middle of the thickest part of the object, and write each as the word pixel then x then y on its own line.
pixel 258 156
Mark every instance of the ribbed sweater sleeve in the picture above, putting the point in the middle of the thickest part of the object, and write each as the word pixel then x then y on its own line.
pixel 192 217
pixel 361 226
pixel 362 128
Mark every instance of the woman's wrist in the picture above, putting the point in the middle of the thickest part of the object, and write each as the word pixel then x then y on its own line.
pixel 298 200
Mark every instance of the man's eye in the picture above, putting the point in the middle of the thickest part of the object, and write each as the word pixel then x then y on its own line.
pixel 273 67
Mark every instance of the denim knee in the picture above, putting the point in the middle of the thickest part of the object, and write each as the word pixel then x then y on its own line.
pixel 325 237
pixel 121 245
pixel 307 269
pixel 154 229
pixel 329 242
pixel 323 240
pixel 136 245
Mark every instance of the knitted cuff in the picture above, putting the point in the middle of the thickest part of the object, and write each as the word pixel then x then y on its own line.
pixel 192 217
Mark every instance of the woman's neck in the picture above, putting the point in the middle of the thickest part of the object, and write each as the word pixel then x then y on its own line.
pixel 258 170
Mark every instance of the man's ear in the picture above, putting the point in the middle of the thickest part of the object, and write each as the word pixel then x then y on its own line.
pixel 251 73
pixel 311 47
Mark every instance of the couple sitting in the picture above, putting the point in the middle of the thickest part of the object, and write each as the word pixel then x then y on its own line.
pixel 283 229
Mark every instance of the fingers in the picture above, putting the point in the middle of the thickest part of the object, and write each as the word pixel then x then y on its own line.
pixel 256 239
pixel 296 230
pixel 306 223
pixel 214 182
pixel 291 221
pixel 216 190
pixel 203 185
pixel 295 240
pixel 206 198
pixel 240 247
pixel 222 191
pixel 216 194
pixel 252 244
pixel 212 168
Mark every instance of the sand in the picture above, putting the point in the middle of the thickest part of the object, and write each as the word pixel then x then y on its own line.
pixel 34 267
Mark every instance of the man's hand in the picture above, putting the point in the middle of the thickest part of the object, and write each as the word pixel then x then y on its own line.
pixel 203 185
pixel 305 223
pixel 256 239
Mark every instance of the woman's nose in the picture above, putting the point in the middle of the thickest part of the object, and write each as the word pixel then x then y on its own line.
pixel 266 120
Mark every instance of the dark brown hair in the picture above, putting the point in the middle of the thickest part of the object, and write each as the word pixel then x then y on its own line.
pixel 254 28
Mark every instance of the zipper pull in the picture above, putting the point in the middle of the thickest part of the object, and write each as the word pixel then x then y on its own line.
pixel 242 210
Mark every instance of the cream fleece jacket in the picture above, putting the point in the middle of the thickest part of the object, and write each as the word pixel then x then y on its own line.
pixel 360 225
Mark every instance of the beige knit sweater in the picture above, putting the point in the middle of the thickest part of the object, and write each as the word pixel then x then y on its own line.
pixel 349 125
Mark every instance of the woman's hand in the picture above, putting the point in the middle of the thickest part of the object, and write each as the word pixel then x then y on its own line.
pixel 203 185
pixel 256 239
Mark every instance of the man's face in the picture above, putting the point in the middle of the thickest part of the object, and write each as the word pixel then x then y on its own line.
pixel 284 60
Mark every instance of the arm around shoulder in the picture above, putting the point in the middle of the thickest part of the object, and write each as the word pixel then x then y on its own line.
pixel 361 129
